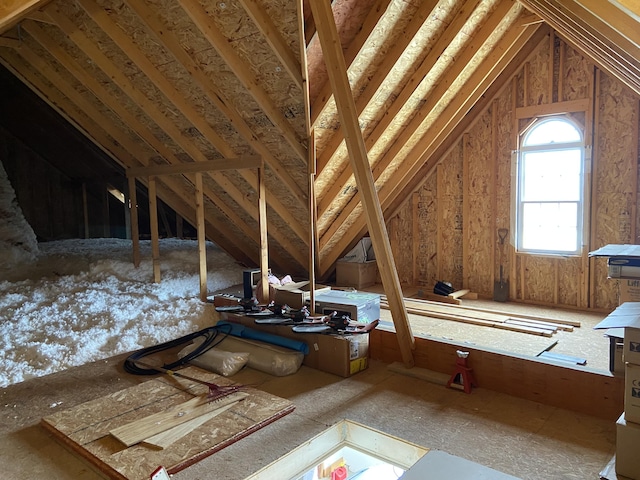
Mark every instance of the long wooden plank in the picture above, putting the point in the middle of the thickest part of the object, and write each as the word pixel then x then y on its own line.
pixel 562 321
pixel 496 317
pixel 334 59
pixel 479 322
pixel 163 439
pixel 11 11
pixel 250 161
pixel 146 427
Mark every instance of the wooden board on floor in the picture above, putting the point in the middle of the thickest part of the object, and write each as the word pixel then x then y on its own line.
pixel 85 428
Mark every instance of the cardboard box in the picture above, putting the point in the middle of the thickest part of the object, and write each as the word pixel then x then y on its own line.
pixel 623 267
pixel 631 352
pixel 632 393
pixel 616 348
pixel 360 306
pixel 342 355
pixel 356 274
pixel 296 294
pixel 627 441
pixel 628 291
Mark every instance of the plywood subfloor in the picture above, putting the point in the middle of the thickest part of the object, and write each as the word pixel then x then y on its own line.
pixel 85 427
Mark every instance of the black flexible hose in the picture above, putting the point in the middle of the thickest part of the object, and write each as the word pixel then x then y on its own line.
pixel 210 335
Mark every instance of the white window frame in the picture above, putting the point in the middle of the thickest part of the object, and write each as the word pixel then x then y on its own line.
pixel 580 202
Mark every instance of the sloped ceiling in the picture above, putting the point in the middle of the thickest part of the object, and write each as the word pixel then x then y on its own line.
pixel 156 82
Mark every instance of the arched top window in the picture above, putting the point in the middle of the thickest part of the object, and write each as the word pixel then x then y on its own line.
pixel 550 189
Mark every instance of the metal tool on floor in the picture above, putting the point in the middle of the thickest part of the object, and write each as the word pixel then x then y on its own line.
pixel 462 377
pixel 215 391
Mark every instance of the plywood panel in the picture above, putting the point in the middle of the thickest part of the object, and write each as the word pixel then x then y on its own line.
pixel 85 428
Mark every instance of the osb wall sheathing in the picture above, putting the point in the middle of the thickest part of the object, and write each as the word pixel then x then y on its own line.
pixel 467 198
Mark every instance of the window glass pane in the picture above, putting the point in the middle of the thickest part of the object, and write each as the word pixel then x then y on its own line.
pixel 552 131
pixel 550 226
pixel 551 176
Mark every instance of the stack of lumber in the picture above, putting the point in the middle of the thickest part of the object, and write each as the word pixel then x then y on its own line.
pixel 487 318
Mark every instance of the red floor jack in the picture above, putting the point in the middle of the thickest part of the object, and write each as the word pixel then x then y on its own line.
pixel 462 377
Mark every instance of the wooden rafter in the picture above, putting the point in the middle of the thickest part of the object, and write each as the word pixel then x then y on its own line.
pixel 273 37
pixel 12 11
pixel 171 42
pixel 326 94
pixel 347 110
pixel 476 84
pixel 597 36
pixel 391 59
pixel 454 70
pixel 244 74
pixel 150 108
pixel 418 76
pixel 69 103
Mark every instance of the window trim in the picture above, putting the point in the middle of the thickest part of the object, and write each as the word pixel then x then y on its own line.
pixel 518 204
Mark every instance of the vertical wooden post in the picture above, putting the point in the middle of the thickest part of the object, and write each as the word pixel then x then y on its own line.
pixel 202 249
pixel 337 70
pixel 415 200
pixel 127 213
pixel 153 217
pixel 513 267
pixel 494 191
pixel 440 221
pixel 262 221
pixel 312 222
pixel 179 226
pixel 466 210
pixel 106 215
pixel 85 210
pixel 135 231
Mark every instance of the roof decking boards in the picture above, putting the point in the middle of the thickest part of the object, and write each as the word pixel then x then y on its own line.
pixel 158 82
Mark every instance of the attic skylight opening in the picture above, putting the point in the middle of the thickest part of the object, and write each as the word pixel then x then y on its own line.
pixel 550 188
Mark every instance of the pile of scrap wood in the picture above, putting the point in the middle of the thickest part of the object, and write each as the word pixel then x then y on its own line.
pixel 487 318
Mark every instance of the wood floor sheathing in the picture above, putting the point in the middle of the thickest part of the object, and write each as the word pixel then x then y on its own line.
pixel 522 438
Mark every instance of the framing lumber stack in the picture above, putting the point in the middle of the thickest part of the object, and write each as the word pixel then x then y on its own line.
pixel 487 318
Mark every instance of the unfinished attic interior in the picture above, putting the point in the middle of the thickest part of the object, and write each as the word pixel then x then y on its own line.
pixel 285 132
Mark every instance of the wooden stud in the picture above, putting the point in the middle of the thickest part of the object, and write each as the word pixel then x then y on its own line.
pixel 493 187
pixel 312 222
pixel 202 236
pixel 85 210
pixel 262 224
pixel 440 215
pixel 135 231
pixel 153 217
pixel 415 235
pixel 12 11
pixel 336 67
pixel 515 143
pixel 466 209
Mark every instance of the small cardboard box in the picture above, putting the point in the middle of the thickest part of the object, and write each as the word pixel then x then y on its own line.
pixel 342 355
pixel 360 306
pixel 631 352
pixel 296 294
pixel 627 441
pixel 356 274
pixel 624 267
pixel 629 291
pixel 632 393
pixel 616 348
